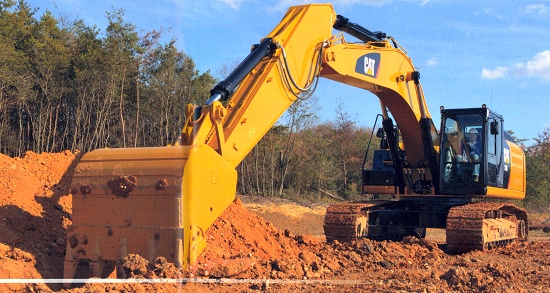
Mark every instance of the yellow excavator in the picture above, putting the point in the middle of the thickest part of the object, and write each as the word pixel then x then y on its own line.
pixel 160 201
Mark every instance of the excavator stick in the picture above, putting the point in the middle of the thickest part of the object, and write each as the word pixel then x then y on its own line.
pixel 155 202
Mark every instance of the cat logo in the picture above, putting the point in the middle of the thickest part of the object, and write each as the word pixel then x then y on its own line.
pixel 507 156
pixel 368 65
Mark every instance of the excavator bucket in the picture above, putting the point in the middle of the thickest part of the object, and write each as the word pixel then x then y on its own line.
pixel 155 202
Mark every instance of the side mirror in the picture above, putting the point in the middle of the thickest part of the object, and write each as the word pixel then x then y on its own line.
pixel 494 128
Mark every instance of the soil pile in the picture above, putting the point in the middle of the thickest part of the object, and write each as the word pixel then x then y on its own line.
pixel 35 212
pixel 245 252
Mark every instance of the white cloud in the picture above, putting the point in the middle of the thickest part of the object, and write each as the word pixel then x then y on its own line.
pixel 235 4
pixel 432 61
pixel 496 73
pixel 538 8
pixel 538 66
pixel 491 12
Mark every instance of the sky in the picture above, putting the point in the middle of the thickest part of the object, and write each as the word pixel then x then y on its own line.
pixel 468 52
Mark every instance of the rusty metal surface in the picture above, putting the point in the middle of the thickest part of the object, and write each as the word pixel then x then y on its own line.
pixel 341 220
pixel 465 226
pixel 147 201
pixel 119 206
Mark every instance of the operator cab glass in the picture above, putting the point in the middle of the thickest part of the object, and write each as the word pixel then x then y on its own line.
pixel 463 151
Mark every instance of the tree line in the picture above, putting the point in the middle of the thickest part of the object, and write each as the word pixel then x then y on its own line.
pixel 538 173
pixel 64 85
pixel 302 156
pixel 67 85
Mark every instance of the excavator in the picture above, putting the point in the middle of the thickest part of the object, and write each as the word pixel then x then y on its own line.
pixel 159 201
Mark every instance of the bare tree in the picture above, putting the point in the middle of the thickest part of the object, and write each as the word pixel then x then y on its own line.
pixel 298 117
pixel 343 141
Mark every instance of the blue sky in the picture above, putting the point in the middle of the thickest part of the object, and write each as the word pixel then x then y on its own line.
pixel 468 52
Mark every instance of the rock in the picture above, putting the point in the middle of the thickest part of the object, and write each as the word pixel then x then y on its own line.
pixel 60 241
pixel 232 267
pixel 368 247
pixel 307 239
pixel 311 274
pixel 432 256
pixel 288 233
pixel 332 264
pixel 385 264
pixel 354 257
pixel 308 257
pixel 135 265
pixel 45 250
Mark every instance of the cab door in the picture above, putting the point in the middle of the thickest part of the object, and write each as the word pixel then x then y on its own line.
pixel 494 151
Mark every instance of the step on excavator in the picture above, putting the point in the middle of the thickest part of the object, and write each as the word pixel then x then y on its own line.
pixel 159 201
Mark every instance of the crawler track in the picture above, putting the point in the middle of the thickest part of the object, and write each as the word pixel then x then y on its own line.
pixel 347 221
pixel 465 226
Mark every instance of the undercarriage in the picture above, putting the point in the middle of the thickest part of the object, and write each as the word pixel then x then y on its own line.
pixel 469 226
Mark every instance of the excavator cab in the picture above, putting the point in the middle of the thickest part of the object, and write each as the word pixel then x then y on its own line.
pixel 463 151
pixel 475 158
pixel 476 154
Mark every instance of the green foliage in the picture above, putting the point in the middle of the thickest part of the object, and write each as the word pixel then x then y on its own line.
pixel 303 160
pixel 538 174
pixel 68 88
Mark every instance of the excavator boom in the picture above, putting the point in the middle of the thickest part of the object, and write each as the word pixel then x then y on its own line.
pixel 160 201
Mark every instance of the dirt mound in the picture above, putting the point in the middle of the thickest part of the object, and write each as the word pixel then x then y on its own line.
pixel 35 212
pixel 247 250
pixel 243 245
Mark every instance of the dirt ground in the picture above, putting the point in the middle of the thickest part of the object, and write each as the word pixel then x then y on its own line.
pixel 256 245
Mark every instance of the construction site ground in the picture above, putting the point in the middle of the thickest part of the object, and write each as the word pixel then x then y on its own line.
pixel 258 244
